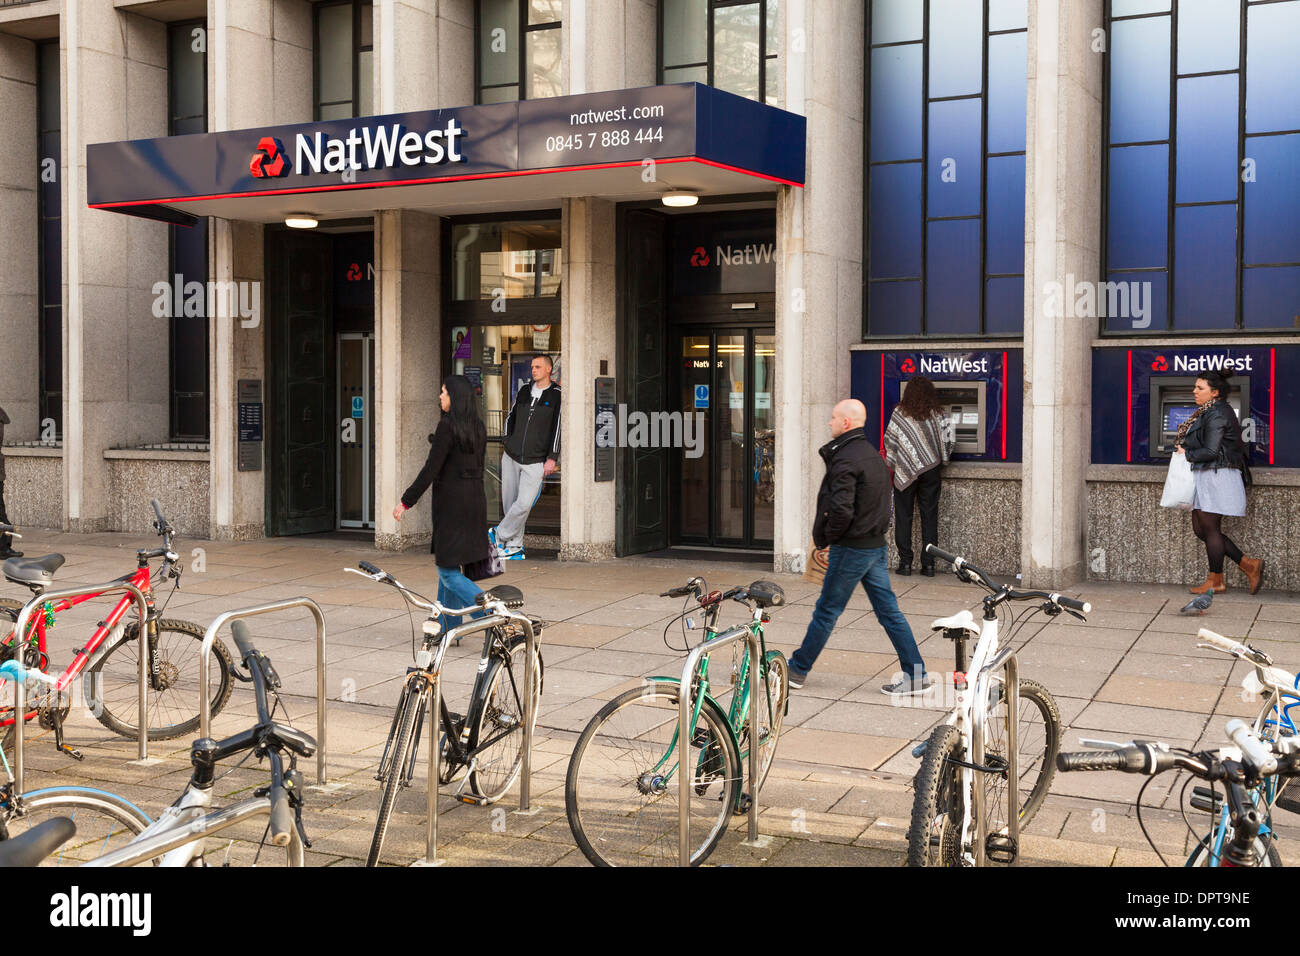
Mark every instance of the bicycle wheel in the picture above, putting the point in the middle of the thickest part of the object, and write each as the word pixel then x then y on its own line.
pixel 9 610
pixel 104 821
pixel 173 707
pixel 934 837
pixel 1038 738
pixel 621 791
pixel 498 722
pixel 1265 851
pixel 412 709
pixel 771 696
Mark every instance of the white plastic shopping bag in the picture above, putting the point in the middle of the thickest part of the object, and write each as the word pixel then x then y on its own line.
pixel 1179 484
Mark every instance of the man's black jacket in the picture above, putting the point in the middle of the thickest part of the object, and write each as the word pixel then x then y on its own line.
pixel 533 429
pixel 853 503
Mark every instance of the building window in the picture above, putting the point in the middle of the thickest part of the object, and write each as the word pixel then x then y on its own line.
pixel 187 112
pixel 945 222
pixel 731 45
pixel 1202 164
pixel 344 59
pixel 502 310
pixel 49 238
pixel 502 59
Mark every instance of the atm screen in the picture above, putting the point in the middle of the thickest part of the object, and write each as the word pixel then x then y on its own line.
pixel 1175 415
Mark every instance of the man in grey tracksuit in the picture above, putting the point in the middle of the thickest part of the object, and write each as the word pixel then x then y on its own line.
pixel 532 451
pixel 6 542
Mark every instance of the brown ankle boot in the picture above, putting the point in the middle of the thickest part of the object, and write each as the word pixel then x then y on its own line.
pixel 1211 581
pixel 1253 568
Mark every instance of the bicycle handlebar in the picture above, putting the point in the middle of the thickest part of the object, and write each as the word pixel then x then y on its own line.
pixel 966 571
pixel 282 816
pixel 1252 748
pixel 381 576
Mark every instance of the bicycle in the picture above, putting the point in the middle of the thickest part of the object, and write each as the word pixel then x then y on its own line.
pixel 486 742
pixel 620 792
pixel 110 658
pixel 944 830
pixel 1244 768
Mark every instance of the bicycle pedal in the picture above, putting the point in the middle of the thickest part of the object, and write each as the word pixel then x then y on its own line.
pixel 472 801
pixel 71 752
pixel 1000 848
pixel 702 737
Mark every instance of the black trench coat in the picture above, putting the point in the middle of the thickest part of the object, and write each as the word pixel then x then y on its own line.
pixel 460 528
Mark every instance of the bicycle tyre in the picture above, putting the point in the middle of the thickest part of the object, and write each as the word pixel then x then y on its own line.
pixel 934 836
pixel 9 611
pixel 496 769
pixel 405 733
pixel 772 703
pixel 615 819
pixel 113 682
pixel 1270 857
pixel 1038 739
pixel 104 821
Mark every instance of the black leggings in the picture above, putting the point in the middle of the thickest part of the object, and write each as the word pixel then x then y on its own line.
pixel 1209 528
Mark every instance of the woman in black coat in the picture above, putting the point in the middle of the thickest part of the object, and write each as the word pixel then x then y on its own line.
pixel 454 470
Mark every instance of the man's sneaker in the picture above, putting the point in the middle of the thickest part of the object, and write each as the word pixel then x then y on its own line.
pixel 797 679
pixel 907 686
pixel 512 554
pixel 492 536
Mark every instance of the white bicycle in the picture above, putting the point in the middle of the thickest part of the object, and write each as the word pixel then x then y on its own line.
pixel 960 813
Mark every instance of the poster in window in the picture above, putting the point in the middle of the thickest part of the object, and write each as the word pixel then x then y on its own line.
pixel 542 337
pixel 461 343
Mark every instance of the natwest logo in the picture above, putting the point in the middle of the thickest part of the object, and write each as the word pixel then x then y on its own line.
pixel 1160 365
pixel 373 148
pixel 953 365
pixel 700 258
pixel 1208 363
pixel 907 366
pixel 269 159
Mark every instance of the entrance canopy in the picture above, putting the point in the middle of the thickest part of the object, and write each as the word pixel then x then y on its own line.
pixel 620 145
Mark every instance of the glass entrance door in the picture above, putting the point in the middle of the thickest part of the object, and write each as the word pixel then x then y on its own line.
pixel 356 459
pixel 726 476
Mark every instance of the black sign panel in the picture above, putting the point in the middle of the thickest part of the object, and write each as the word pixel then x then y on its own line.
pixel 716 254
pixel 606 429
pixel 250 424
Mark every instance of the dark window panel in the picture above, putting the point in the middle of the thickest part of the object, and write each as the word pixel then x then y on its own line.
pixel 1004 305
pixel 896 103
pixel 1272 67
pixel 1273 200
pixel 772 26
pixel 186 80
pixel 498 42
pixel 952 269
pixel 1005 226
pixel 1137 207
pixel 893 21
pixel 1139 80
pixel 953 173
pixel 542 68
pixel 334 53
pixel 686 32
pixel 1150 298
pixel 895 220
pixel 956 47
pixel 1270 298
pixel 894 308
pixel 1207 138
pixel 52 262
pixel 1208 32
pixel 1006 93
pixel 1205 267
pixel 48 93
pixel 500 94
pixel 736 49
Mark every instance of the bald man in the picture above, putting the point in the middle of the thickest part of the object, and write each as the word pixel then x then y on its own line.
pixel 853 506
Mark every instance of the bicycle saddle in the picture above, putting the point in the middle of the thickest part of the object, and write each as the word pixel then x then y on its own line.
pixel 30 848
pixel 29 571
pixel 507 594
pixel 766 594
pixel 961 621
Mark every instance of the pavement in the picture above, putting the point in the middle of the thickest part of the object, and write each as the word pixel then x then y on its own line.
pixel 839 790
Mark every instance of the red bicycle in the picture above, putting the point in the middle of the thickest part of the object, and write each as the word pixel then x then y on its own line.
pixel 110 659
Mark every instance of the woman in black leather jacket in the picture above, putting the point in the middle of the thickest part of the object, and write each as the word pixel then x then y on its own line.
pixel 1211 440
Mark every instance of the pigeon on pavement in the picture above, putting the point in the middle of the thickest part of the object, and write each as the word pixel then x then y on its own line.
pixel 1199 604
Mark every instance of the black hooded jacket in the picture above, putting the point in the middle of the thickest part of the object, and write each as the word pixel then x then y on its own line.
pixel 853 503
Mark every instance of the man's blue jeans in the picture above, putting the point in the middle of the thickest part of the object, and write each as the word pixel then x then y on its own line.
pixel 456 591
pixel 845 567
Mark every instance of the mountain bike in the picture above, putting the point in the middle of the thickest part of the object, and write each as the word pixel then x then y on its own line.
pixel 944 829
pixel 620 792
pixel 1242 769
pixel 109 659
pixel 487 741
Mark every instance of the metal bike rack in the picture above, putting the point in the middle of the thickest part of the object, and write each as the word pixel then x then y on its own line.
pixel 20 690
pixel 685 778
pixel 435 706
pixel 210 636
pixel 1005 660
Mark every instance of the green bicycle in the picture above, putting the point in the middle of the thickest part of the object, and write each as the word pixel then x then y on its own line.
pixel 621 791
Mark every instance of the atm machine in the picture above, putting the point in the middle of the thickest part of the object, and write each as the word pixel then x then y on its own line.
pixel 964 406
pixel 1172 404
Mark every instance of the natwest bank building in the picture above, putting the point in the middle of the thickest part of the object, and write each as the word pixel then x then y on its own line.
pixel 248 240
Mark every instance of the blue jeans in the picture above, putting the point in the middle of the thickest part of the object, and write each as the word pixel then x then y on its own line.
pixel 845 567
pixel 456 590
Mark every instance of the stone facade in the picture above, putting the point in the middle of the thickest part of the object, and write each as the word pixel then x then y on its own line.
pixel 181 483
pixel 979 518
pixel 34 487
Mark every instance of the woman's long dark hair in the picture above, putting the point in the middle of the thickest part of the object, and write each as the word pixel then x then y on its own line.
pixel 468 432
pixel 920 399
